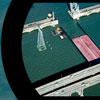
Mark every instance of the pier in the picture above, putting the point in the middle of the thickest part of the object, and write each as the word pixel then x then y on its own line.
pixel 50 21
pixel 68 82
pixel 76 13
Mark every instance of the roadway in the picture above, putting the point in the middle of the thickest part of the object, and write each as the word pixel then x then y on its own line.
pixel 33 26
pixel 77 87
pixel 86 11
pixel 68 79
pixel 90 8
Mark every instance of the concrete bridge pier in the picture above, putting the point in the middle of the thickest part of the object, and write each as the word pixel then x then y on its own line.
pixel 80 92
pixel 69 95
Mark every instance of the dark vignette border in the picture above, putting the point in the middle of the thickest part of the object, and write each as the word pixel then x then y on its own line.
pixel 12 53
pixel 11 49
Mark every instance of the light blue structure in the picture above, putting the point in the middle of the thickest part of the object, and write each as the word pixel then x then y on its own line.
pixel 40 41
pixel 53 16
pixel 74 8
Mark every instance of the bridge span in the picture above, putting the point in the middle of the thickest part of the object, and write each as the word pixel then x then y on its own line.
pixel 77 87
pixel 76 14
pixel 67 80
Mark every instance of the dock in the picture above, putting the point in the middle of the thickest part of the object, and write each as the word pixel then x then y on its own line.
pixel 85 11
pixel 49 21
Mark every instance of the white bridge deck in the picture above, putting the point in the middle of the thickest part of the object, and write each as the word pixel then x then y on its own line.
pixel 43 23
pixel 77 87
pixel 68 79
pixel 95 7
pixel 86 11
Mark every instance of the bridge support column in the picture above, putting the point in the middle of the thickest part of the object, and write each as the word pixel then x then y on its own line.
pixel 80 92
pixel 74 10
pixel 69 95
pixel 40 41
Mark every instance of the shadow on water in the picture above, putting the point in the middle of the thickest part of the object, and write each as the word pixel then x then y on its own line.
pixel 68 5
pixel 75 94
pixel 61 74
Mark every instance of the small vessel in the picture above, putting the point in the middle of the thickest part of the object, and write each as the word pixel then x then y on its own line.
pixel 59 31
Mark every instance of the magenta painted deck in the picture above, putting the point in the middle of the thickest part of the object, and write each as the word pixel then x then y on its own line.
pixel 91 45
pixel 87 47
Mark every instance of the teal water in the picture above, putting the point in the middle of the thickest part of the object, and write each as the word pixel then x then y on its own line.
pixel 75 94
pixel 64 54
pixel 5 90
pixel 92 27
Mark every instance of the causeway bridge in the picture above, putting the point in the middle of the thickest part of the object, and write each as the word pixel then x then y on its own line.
pixel 76 13
pixel 58 86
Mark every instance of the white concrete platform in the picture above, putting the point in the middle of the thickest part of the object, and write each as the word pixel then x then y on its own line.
pixel 86 11
pixel 43 23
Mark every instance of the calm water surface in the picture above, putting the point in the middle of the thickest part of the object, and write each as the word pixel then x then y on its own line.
pixel 64 54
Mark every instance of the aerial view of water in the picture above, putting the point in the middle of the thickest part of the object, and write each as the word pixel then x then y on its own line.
pixel 56 56
pixel 63 54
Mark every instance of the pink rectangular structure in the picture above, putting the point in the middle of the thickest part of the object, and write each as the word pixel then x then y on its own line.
pixel 87 47
pixel 91 45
